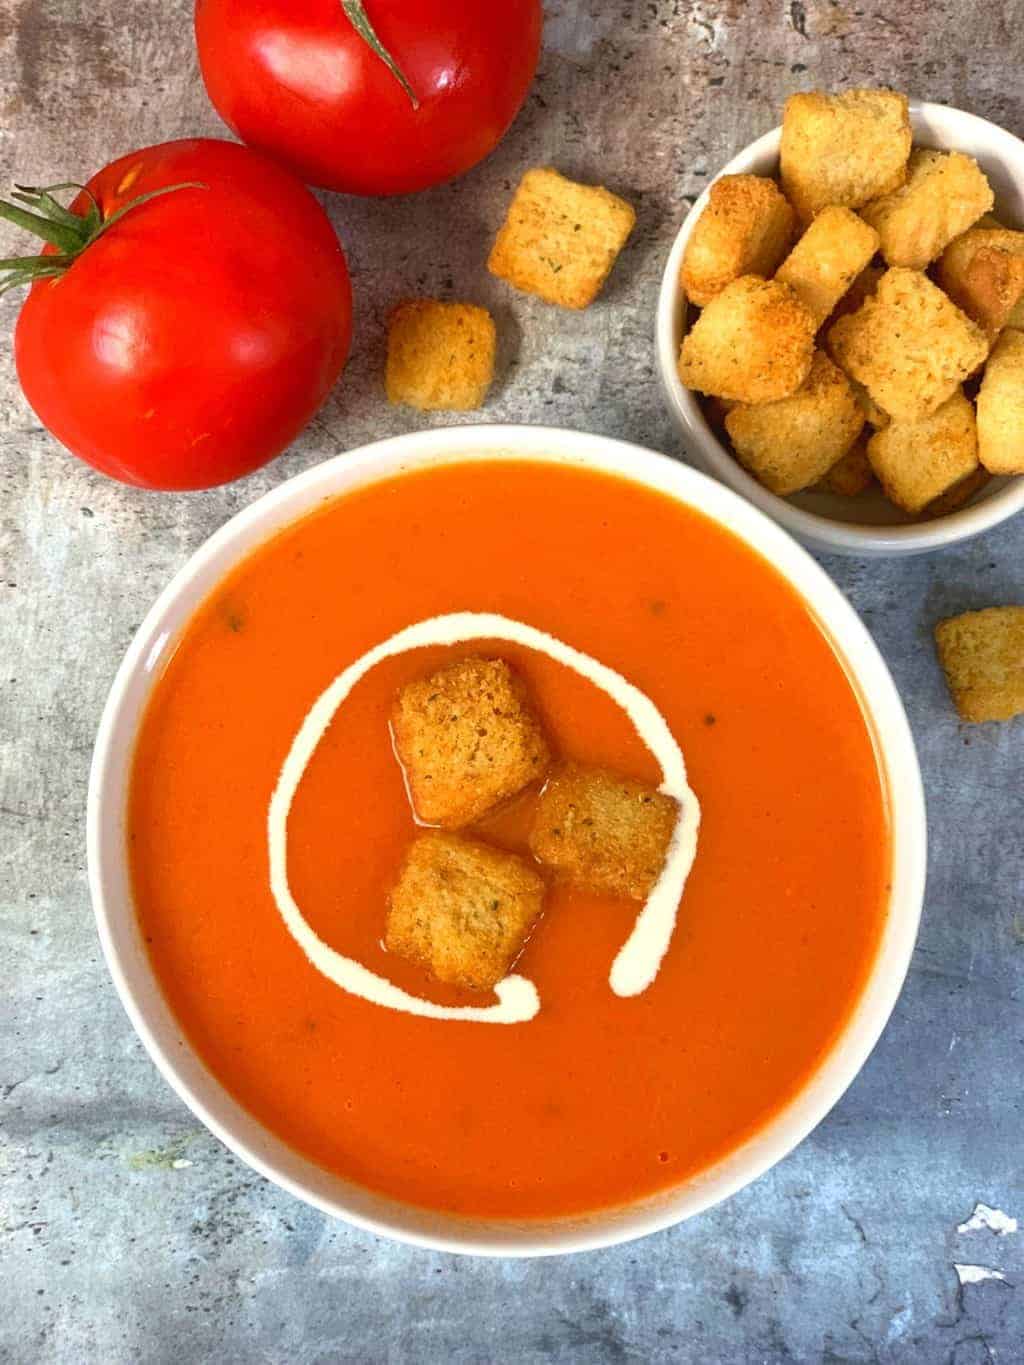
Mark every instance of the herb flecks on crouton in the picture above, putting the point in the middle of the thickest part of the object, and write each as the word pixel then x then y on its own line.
pixel 462 910
pixel 605 833
pixel 468 739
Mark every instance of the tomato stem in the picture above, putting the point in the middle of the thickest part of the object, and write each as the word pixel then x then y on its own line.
pixel 355 12
pixel 61 227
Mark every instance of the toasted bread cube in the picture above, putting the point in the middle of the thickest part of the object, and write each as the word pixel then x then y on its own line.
pixel 440 355
pixel 753 343
pixel 958 495
pixel 944 194
pixel 745 229
pixel 982 656
pixel 916 462
pixel 852 475
pixel 909 345
pixel 982 271
pixel 877 416
pixel 462 910
pixel 790 444
pixel 827 259
pixel 603 832
pixel 560 239
pixel 1001 407
pixel 843 149
pixel 468 739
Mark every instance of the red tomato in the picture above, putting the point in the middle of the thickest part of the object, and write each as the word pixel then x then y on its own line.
pixel 295 79
pixel 194 340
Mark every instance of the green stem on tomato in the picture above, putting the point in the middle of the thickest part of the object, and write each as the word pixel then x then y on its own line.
pixel 68 231
pixel 355 13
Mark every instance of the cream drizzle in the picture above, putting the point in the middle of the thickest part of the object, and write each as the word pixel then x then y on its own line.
pixel 638 960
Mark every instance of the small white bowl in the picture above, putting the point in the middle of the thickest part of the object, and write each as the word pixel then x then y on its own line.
pixel 870 524
pixel 159 1030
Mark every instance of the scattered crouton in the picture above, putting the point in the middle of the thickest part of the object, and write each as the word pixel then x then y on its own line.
pixel 982 271
pixel 843 149
pixel 877 416
pixel 1001 407
pixel 945 192
pixel 789 444
pixel 909 345
pixel 560 239
pixel 468 739
pixel 602 832
pixel 744 230
pixel 827 259
pixel 852 475
pixel 958 495
pixel 753 343
pixel 982 655
pixel 440 355
pixel 916 462
pixel 462 910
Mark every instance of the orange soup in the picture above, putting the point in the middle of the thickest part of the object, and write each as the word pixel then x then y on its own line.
pixel 599 1099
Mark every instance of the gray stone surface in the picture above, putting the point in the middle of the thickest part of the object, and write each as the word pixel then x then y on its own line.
pixel 126 1232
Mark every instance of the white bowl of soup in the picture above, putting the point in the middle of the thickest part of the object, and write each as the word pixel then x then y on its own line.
pixel 589 1102
pixel 867 524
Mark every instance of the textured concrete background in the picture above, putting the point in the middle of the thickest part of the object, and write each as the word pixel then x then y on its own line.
pixel 126 1232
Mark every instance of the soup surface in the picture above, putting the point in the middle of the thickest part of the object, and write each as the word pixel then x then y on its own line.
pixel 599 1099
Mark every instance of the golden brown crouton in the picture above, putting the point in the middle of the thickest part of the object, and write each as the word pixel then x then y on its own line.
pixel 830 255
pixel 560 239
pixel 916 462
pixel 957 496
pixel 908 344
pixel 982 655
pixel 877 416
pixel 790 444
pixel 440 355
pixel 603 832
pixel 745 229
pixel 753 343
pixel 468 739
pixel 852 475
pixel 944 194
pixel 462 910
pixel 982 271
pixel 1001 407
pixel 843 149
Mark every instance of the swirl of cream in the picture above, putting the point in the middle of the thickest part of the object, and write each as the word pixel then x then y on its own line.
pixel 637 962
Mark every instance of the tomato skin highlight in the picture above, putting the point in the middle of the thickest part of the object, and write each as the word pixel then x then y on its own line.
pixel 193 341
pixel 294 79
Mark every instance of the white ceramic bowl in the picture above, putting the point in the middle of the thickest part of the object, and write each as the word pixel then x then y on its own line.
pixel 129 965
pixel 868 525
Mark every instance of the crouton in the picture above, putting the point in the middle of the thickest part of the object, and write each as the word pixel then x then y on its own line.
pixel 440 355
pixel 745 229
pixel 958 495
pixel 852 475
pixel 468 739
pixel 843 149
pixel 982 656
pixel 753 343
pixel 827 259
pixel 916 462
pixel 789 444
pixel 560 239
pixel 1001 407
pixel 603 832
pixel 945 192
pixel 909 345
pixel 462 910
pixel 982 271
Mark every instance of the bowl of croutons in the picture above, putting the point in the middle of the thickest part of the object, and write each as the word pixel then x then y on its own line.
pixel 840 328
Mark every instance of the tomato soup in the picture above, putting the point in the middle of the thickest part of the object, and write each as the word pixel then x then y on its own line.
pixel 599 1099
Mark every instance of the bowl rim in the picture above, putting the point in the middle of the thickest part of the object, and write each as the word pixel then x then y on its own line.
pixel 139 991
pixel 814 528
